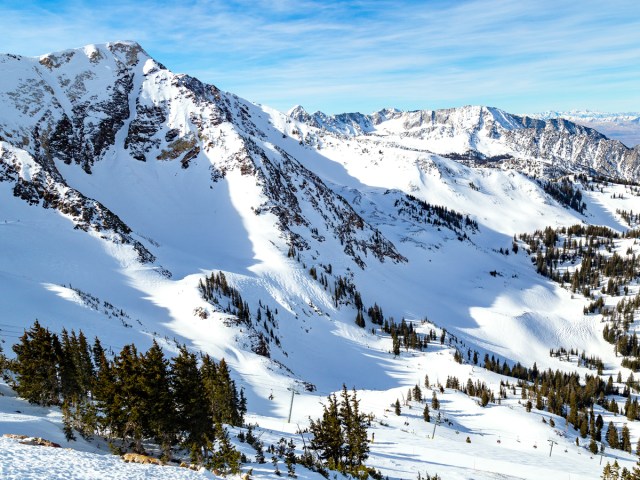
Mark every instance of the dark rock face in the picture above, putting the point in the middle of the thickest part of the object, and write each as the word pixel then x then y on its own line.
pixel 142 129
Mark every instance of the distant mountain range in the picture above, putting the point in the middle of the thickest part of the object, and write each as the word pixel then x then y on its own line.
pixel 619 126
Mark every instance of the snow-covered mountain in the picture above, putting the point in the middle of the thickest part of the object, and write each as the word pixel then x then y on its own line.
pixel 123 186
pixel 620 126
pixel 549 147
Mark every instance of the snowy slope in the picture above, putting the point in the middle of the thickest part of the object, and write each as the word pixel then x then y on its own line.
pixel 122 185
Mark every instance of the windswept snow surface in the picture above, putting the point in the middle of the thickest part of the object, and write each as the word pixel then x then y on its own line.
pixel 219 213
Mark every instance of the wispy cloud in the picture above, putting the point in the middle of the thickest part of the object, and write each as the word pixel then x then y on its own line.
pixel 365 55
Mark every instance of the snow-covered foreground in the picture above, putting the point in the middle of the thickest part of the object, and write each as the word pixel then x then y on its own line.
pixel 469 442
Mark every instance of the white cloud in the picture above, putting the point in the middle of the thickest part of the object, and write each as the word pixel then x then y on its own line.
pixel 336 55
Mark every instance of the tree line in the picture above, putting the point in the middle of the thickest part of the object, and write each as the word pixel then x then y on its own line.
pixel 133 398
pixel 177 405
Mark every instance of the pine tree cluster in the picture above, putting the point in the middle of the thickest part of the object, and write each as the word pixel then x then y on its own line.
pixel 133 398
pixel 583 258
pixel 437 215
pixel 217 283
pixel 565 193
pixel 340 436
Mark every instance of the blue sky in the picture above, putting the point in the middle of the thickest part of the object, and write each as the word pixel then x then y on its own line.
pixel 340 56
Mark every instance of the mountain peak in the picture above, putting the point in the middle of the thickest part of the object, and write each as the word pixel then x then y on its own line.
pixel 299 113
pixel 127 51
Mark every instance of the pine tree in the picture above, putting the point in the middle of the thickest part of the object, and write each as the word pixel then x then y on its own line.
pixel 599 425
pixel 4 363
pixel 396 344
pixel 36 366
pixel 635 473
pixel 224 457
pixel 417 393
pixel 193 421
pixel 435 403
pixel 67 423
pixel 625 439
pixel 222 396
pixel 354 431
pixel 340 436
pixel 69 388
pixel 425 414
pixel 128 409
pixel 397 407
pixel 484 398
pixel 584 427
pixel 327 435
pixel 159 411
pixel 290 459
pixel 97 351
pixel 85 369
pixel 612 436
pixel 105 393
pixel 572 418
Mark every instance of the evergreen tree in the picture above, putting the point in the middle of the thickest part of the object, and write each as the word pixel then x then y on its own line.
pixel 417 393
pixel 354 430
pixel 85 369
pixel 69 387
pixel 67 423
pixel 435 403
pixel 425 414
pixel 193 421
pixel 36 366
pixel 160 417
pixel 484 398
pixel 397 409
pixel 395 343
pixel 625 439
pixel 224 457
pixel 635 473
pixel 221 394
pixel 97 352
pixel 3 362
pixel 572 418
pixel 612 436
pixel 128 410
pixel 584 427
pixel 599 425
pixel 340 436
pixel 290 459
pixel 327 435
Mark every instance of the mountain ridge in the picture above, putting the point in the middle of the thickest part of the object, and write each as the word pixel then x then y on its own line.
pixel 621 126
pixel 526 137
